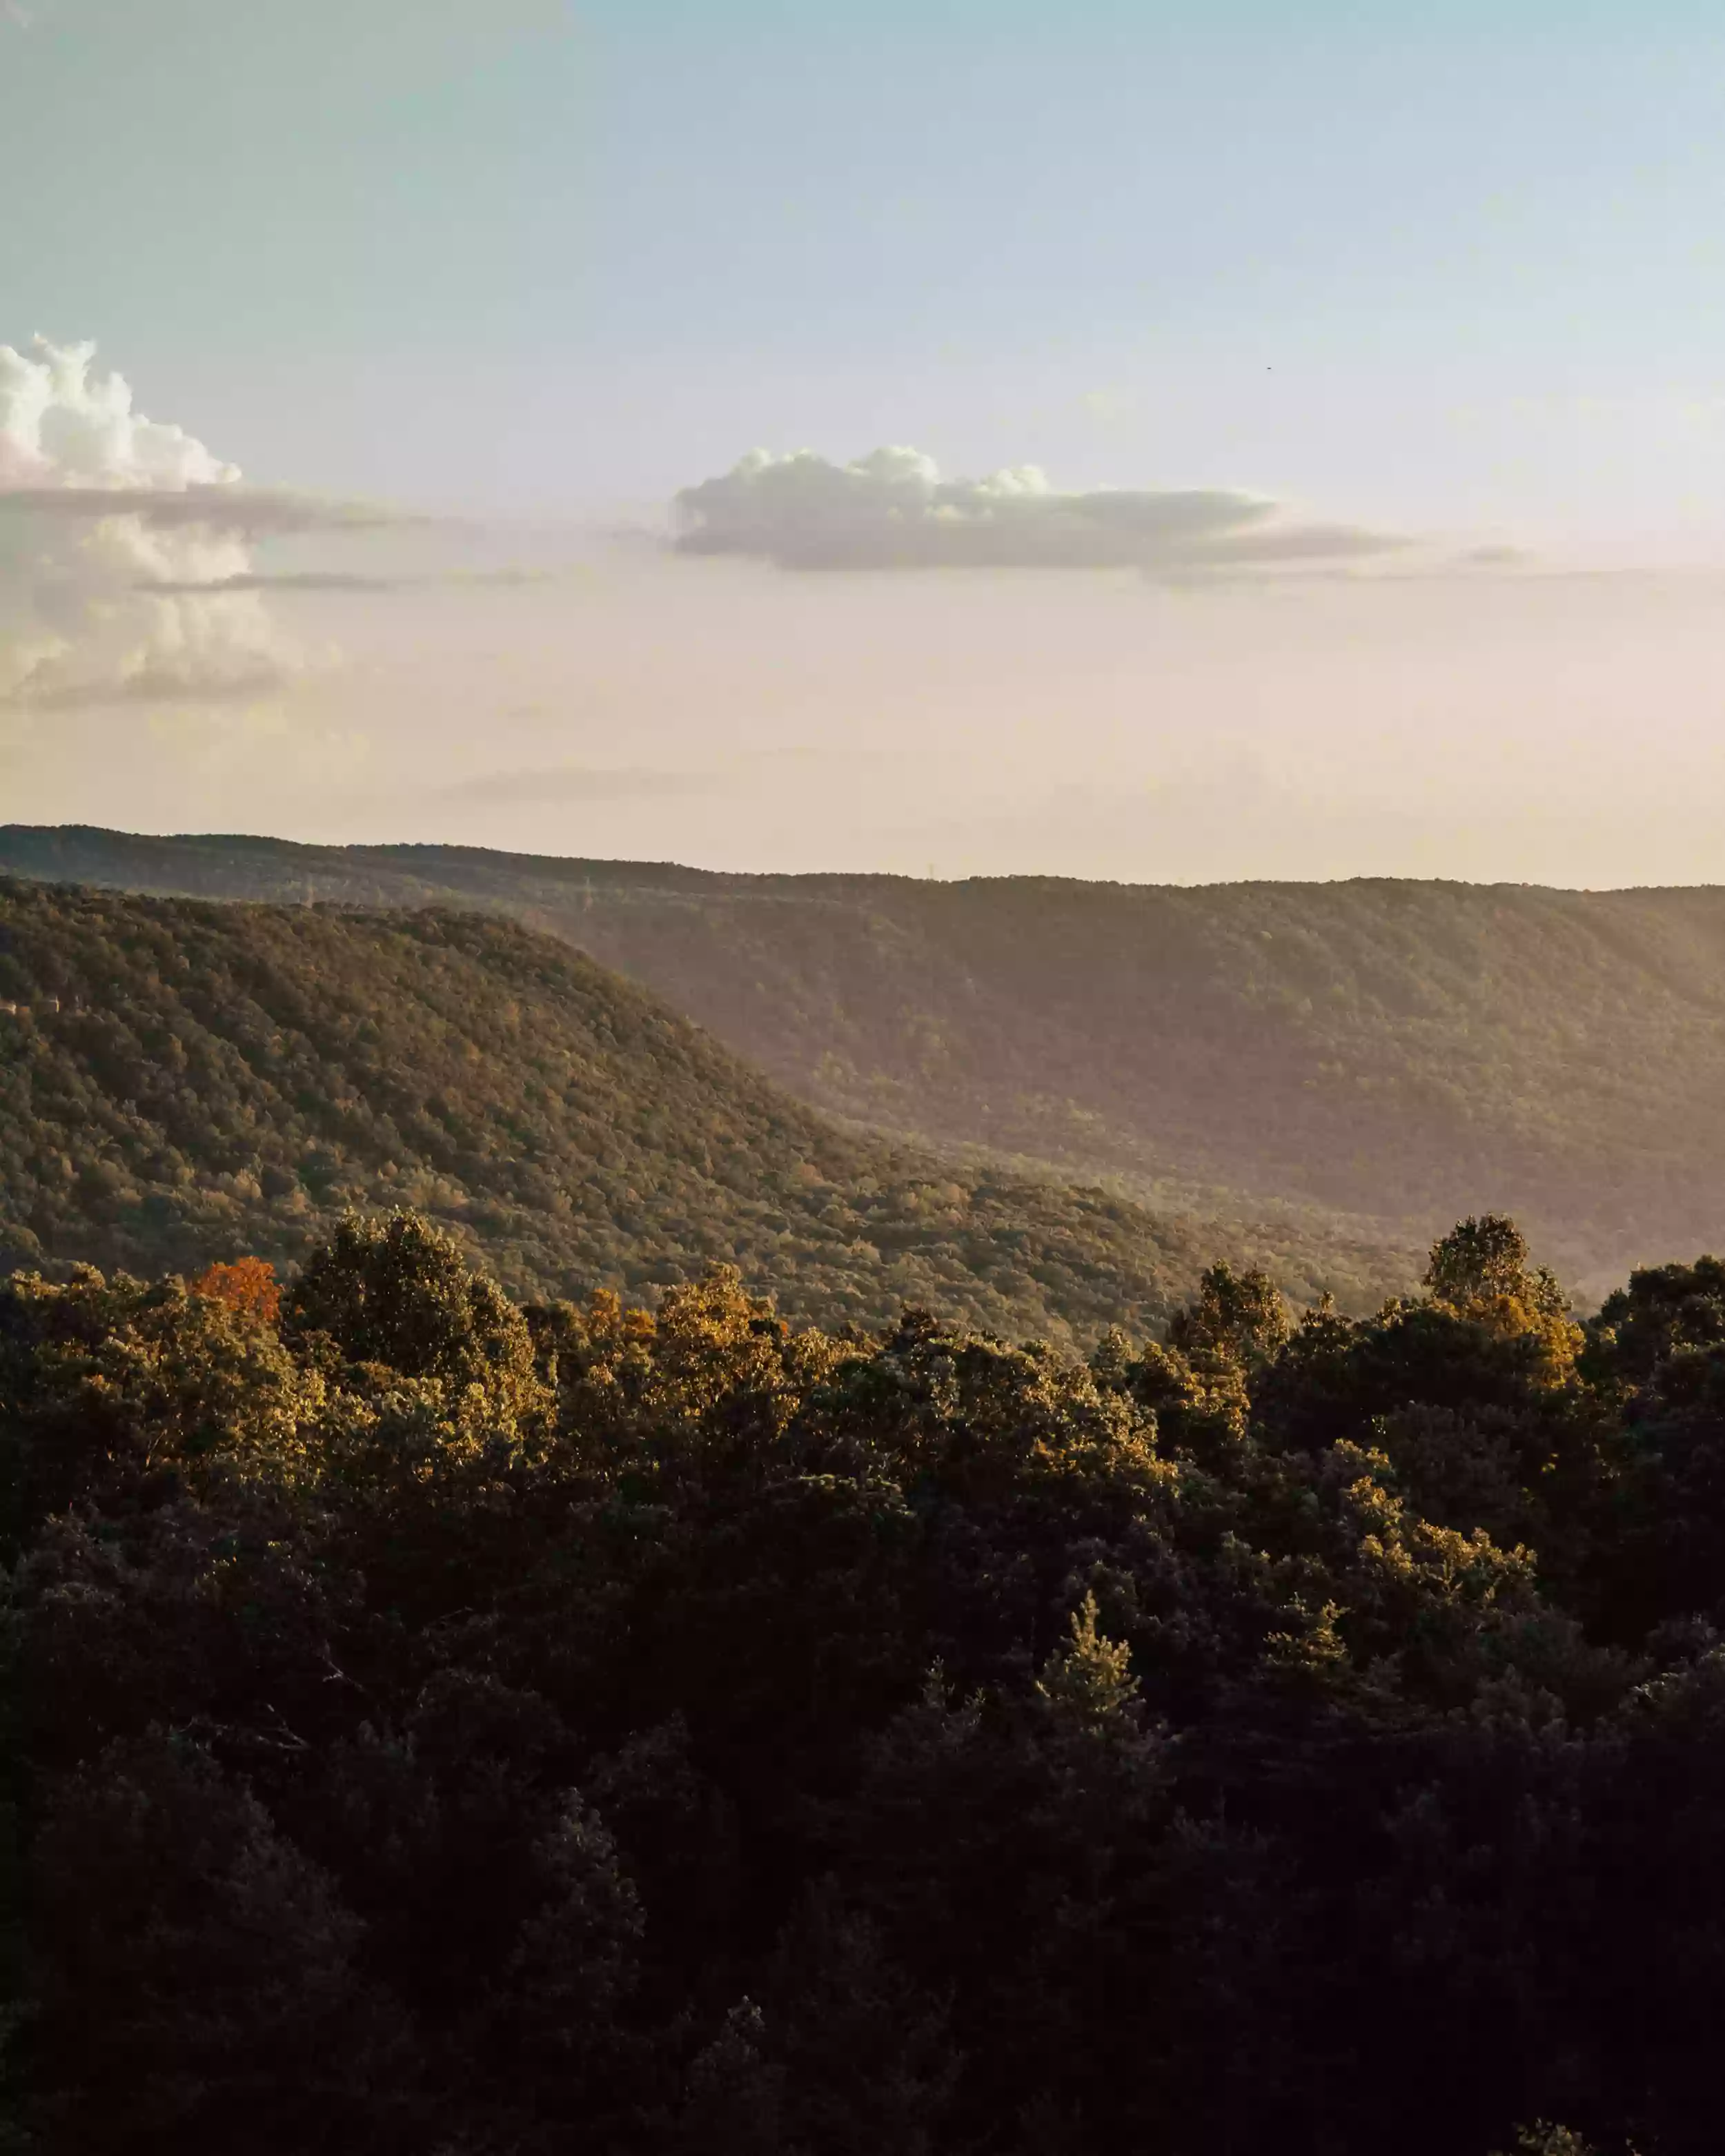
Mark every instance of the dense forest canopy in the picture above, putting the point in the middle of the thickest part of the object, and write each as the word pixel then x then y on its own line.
pixel 1402 1050
pixel 438 1724
pixel 183 1082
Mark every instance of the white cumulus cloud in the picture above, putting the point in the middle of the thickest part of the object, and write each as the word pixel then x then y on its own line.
pixel 891 508
pixel 113 528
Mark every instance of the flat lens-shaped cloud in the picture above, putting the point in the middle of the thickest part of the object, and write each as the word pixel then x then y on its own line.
pixel 891 509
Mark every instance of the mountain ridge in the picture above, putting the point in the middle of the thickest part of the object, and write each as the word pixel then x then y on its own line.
pixel 183 1082
pixel 1372 1052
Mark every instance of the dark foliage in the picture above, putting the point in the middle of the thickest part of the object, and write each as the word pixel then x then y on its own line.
pixel 438 1725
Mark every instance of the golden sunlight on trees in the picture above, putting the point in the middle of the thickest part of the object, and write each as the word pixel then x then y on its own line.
pixel 433 1721
pixel 1481 1270
pixel 247 1285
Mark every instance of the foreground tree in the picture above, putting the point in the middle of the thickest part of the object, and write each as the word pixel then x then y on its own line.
pixel 432 1725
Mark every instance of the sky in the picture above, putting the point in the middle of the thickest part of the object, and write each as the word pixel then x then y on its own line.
pixel 1234 440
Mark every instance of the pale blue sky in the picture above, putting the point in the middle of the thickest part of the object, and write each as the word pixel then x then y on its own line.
pixel 1455 263
pixel 1456 272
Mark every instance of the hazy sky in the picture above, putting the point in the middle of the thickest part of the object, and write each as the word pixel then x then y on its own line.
pixel 1341 305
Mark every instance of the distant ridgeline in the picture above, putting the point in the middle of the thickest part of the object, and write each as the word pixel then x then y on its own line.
pixel 1400 1052
pixel 182 1082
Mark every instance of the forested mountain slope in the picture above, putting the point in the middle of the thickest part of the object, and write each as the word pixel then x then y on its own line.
pixel 182 1081
pixel 1409 1050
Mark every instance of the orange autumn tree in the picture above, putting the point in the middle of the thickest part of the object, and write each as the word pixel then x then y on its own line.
pixel 247 1285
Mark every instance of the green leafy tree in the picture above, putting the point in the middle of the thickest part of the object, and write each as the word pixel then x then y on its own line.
pixel 1241 1316
pixel 400 1293
pixel 1482 1271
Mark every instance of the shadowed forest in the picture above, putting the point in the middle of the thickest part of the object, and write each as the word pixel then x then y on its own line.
pixel 436 1723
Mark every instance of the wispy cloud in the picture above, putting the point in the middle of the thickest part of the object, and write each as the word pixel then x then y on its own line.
pixel 342 580
pixel 259 580
pixel 1493 558
pixel 160 683
pixel 569 781
pixel 249 513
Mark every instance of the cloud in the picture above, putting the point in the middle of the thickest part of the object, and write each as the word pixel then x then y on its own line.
pixel 280 580
pixel 574 782
pixel 155 685
pixel 1493 558
pixel 125 549
pixel 534 786
pixel 891 509
pixel 250 512
pixel 339 580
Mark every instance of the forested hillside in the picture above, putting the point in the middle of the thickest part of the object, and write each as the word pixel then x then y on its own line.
pixel 434 1727
pixel 1400 1049
pixel 182 1081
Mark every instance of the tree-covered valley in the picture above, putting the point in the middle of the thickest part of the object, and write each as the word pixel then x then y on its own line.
pixel 1372 1059
pixel 556 1596
pixel 184 1081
